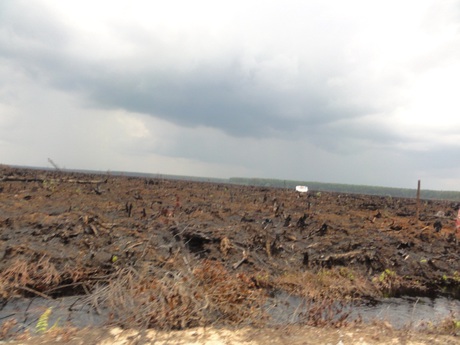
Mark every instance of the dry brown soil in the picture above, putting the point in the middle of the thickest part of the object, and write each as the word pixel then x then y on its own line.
pixel 293 335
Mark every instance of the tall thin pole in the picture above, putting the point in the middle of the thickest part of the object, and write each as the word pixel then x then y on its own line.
pixel 417 211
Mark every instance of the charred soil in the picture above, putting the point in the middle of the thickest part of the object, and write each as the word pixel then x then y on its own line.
pixel 172 254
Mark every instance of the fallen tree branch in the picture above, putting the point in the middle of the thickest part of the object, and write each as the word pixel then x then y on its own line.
pixel 20 179
pixel 37 179
pixel 239 263
pixel 38 293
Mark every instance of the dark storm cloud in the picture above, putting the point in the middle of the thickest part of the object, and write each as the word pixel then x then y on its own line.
pixel 218 99
pixel 354 92
pixel 221 98
pixel 222 93
pixel 326 101
pixel 32 41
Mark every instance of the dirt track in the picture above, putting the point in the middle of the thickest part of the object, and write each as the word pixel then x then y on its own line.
pixel 243 336
pixel 62 233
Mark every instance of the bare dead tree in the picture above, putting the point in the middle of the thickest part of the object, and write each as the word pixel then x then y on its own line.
pixel 54 164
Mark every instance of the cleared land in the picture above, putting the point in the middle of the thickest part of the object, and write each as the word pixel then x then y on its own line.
pixel 170 254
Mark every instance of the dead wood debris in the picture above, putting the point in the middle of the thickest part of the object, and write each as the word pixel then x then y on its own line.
pixel 41 180
pixel 243 260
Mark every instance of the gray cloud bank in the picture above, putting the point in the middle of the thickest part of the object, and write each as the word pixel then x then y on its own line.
pixel 239 92
pixel 295 73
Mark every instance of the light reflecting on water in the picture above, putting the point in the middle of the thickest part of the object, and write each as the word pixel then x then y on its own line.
pixel 413 312
pixel 402 312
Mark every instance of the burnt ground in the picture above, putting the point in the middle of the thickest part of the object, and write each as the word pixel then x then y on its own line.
pixel 64 234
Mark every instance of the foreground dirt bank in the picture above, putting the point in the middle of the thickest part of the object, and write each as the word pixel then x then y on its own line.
pixel 247 336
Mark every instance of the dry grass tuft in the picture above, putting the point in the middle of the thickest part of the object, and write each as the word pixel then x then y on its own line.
pixel 450 325
pixel 336 283
pixel 6 328
pixel 22 274
pixel 180 299
pixel 391 283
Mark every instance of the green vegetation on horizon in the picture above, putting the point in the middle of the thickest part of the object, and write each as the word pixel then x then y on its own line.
pixel 348 188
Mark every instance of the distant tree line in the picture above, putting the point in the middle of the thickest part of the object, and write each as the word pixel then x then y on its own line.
pixel 348 188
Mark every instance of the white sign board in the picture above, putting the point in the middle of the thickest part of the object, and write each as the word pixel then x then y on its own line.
pixel 301 189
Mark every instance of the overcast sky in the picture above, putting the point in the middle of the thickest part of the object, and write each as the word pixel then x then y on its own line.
pixel 357 91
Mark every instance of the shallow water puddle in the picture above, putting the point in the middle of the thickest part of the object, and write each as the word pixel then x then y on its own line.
pixel 73 311
pixel 412 312
pixel 283 308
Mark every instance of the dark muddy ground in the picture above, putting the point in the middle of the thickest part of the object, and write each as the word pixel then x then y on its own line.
pixel 67 234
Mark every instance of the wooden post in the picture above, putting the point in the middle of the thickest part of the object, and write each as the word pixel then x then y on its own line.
pixel 417 210
pixel 457 223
